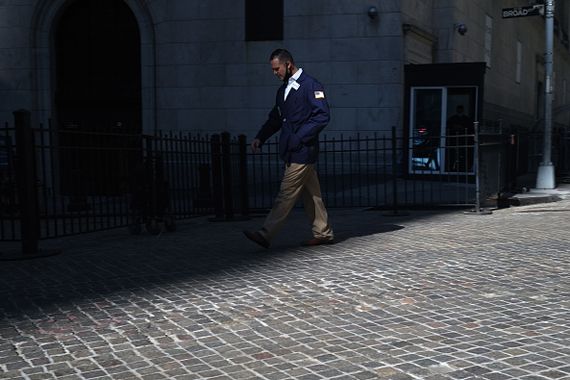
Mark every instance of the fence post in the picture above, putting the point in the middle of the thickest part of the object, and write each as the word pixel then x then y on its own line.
pixel 217 191
pixel 227 176
pixel 27 188
pixel 395 211
pixel 204 197
pixel 477 210
pixel 26 178
pixel 243 176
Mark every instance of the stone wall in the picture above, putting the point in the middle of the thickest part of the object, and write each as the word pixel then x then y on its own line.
pixel 204 76
pixel 502 89
pixel 200 74
pixel 209 77
pixel 15 58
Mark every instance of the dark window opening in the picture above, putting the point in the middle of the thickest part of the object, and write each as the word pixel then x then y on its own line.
pixel 263 20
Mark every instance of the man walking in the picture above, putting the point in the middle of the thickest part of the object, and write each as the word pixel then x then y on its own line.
pixel 301 111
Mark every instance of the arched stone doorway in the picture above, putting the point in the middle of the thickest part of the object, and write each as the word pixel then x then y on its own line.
pixel 97 96
pixel 98 67
pixel 44 22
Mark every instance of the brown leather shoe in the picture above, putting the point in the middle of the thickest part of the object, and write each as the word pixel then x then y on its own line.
pixel 256 237
pixel 317 241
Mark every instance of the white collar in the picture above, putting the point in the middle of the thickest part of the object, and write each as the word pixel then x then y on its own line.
pixel 295 76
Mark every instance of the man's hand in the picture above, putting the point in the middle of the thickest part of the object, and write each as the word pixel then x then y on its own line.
pixel 255 145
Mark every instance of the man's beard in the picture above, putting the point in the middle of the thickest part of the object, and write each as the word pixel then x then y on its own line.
pixel 287 74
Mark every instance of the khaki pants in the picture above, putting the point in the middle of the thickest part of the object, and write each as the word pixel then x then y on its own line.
pixel 298 179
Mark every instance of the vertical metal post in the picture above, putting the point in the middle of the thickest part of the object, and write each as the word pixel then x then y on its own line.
pixel 394 171
pixel 477 168
pixel 27 183
pixel 217 191
pixel 151 173
pixel 395 211
pixel 244 193
pixel 227 176
pixel 27 187
pixel 477 164
pixel 545 175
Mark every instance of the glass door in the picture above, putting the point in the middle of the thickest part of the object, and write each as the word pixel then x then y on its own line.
pixel 459 130
pixel 441 129
pixel 426 117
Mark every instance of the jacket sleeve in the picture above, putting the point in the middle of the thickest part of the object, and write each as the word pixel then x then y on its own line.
pixel 319 117
pixel 271 126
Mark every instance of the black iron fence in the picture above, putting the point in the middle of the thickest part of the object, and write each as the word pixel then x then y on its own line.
pixel 82 182
pixel 56 181
pixel 365 171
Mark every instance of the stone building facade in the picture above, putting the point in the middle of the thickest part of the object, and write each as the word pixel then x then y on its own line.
pixel 144 65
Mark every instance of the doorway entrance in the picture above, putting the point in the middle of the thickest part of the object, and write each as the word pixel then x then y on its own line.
pixel 442 101
pixel 441 126
pixel 97 93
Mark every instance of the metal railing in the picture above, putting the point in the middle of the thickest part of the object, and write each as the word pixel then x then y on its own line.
pixel 364 171
pixel 87 181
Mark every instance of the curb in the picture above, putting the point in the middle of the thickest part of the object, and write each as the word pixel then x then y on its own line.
pixel 525 200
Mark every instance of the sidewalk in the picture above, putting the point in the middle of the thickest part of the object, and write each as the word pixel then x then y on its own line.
pixel 534 196
pixel 431 295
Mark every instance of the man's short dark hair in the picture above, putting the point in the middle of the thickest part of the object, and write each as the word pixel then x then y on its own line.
pixel 282 55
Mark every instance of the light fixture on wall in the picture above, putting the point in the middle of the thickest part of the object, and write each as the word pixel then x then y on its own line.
pixel 461 28
pixel 373 12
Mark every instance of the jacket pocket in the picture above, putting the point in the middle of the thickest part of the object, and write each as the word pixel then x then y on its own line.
pixel 295 144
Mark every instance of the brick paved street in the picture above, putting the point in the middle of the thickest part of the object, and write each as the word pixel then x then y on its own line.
pixel 427 296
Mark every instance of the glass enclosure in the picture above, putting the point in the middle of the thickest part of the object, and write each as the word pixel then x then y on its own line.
pixel 441 129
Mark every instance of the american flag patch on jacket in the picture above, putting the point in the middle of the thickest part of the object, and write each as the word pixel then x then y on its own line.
pixel 319 95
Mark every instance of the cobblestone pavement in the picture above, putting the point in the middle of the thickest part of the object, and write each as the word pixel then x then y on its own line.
pixel 425 296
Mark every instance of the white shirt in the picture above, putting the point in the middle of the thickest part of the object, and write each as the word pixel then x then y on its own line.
pixel 293 82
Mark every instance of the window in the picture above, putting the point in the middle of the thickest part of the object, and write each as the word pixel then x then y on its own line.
pixel 441 129
pixel 263 20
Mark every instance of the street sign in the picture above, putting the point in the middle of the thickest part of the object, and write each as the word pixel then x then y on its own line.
pixel 531 10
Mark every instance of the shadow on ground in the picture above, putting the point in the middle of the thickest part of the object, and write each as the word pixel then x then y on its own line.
pixel 96 265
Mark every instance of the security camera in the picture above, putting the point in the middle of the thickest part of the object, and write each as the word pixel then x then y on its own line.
pixel 461 29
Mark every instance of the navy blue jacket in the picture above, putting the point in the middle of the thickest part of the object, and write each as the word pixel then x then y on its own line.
pixel 300 118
